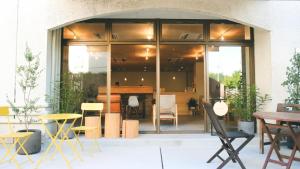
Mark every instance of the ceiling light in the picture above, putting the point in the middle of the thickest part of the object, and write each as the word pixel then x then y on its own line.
pixel 149 36
pixel 74 37
pixel 197 57
pixel 222 37
pixel 147 54
pixel 125 79
pixel 173 77
pixel 142 79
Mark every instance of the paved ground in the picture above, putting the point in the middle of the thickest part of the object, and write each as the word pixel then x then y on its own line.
pixel 152 152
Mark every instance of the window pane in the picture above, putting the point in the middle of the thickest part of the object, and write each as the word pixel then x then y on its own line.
pixel 225 32
pixel 224 70
pixel 85 31
pixel 182 32
pixel 89 63
pixel 182 76
pixel 87 59
pixel 133 74
pixel 132 31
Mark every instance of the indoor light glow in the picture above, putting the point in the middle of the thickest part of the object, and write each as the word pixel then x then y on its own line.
pixel 147 54
pixel 222 37
pixel 142 79
pixel 125 79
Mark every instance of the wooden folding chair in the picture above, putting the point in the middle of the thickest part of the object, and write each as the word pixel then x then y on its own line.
pixel 226 139
pixel 18 139
pixel 84 108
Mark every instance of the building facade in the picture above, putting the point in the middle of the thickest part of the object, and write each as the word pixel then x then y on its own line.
pixel 276 32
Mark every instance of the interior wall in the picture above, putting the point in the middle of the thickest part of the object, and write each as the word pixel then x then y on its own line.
pixel 168 84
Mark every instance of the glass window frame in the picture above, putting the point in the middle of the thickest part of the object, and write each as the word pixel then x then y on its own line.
pixel 249 41
pixel 204 25
pixel 105 39
pixel 143 21
pixel 158 41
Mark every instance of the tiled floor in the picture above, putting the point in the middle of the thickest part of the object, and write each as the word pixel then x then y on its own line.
pixel 153 152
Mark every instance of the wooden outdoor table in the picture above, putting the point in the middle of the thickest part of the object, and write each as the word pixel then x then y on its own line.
pixel 288 118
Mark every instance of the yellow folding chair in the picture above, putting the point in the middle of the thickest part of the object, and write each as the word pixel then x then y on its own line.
pixel 18 138
pixel 84 108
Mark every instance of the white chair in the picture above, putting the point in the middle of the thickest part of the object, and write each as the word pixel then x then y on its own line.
pixel 168 109
pixel 133 106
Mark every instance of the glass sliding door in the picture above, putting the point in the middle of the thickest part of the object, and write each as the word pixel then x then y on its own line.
pixel 182 86
pixel 227 65
pixel 133 78
pixel 178 63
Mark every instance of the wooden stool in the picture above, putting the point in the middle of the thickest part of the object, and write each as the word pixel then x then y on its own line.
pixel 112 125
pixel 130 128
pixel 93 122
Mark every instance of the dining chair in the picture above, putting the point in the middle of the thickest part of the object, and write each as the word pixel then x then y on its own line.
pixel 226 138
pixel 133 106
pixel 19 138
pixel 85 107
pixel 168 109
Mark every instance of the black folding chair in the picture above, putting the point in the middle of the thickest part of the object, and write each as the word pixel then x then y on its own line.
pixel 226 137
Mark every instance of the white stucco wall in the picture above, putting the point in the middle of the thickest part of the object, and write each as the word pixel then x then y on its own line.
pixel 276 24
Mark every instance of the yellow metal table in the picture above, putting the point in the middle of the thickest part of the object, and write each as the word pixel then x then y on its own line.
pixel 63 132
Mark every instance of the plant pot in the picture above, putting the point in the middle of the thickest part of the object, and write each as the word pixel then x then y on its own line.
pixel 290 142
pixel 246 126
pixel 65 128
pixel 33 144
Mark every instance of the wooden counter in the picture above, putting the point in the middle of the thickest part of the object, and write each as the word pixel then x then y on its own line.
pixel 127 90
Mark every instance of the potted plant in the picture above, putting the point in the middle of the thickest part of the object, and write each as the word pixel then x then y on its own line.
pixel 192 105
pixel 244 101
pixel 292 83
pixel 67 96
pixel 28 75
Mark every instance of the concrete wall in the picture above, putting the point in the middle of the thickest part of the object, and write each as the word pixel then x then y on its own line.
pixel 276 24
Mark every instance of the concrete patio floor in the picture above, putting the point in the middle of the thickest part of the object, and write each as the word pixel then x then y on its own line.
pixel 166 151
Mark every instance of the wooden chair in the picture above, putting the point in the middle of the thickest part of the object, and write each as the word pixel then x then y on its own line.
pixel 226 139
pixel 168 109
pixel 281 107
pixel 18 138
pixel 84 108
